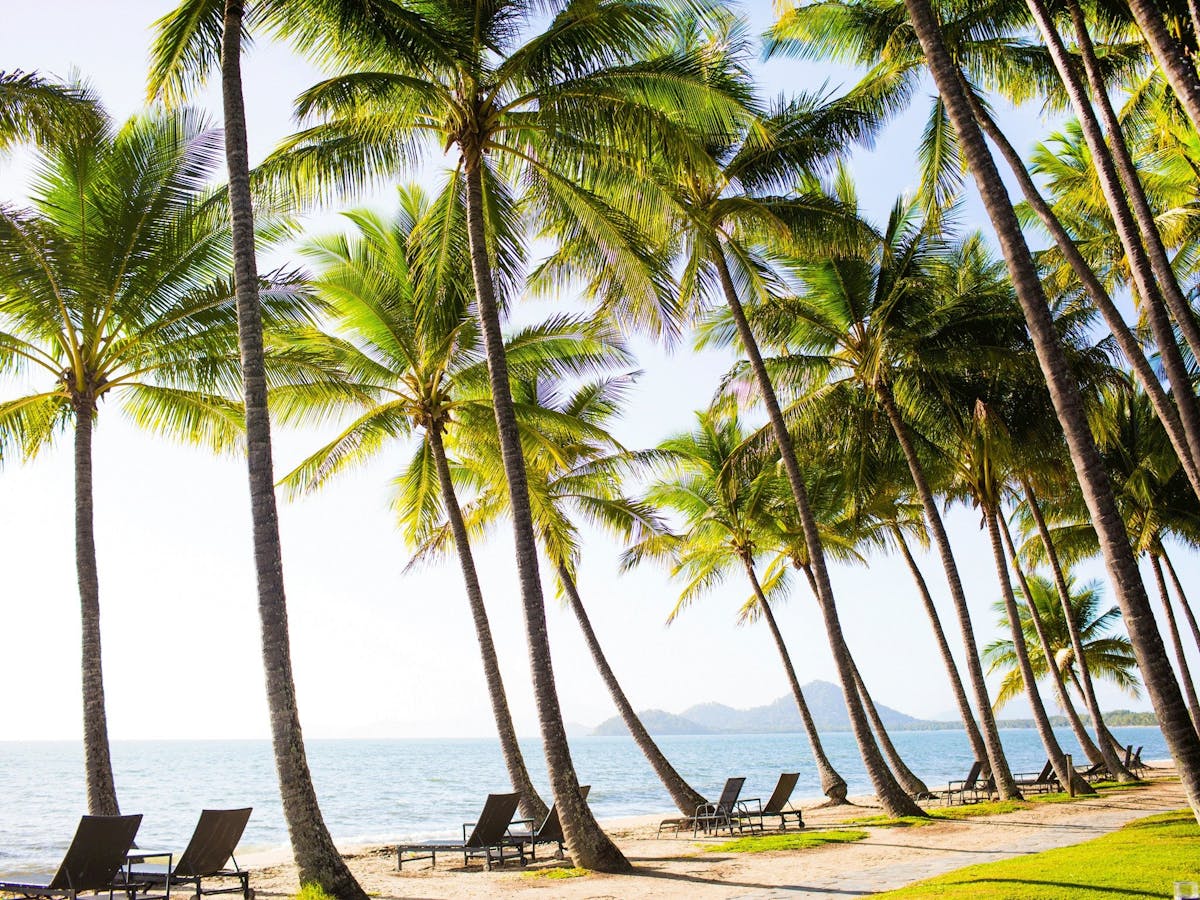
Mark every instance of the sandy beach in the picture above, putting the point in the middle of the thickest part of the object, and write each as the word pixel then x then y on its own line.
pixel 679 867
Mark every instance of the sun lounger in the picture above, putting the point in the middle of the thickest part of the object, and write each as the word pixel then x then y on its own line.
pixel 203 860
pixel 549 832
pixel 488 837
pixel 777 805
pixel 91 863
pixel 710 816
pixel 1098 772
pixel 1043 782
pixel 1135 763
pixel 966 787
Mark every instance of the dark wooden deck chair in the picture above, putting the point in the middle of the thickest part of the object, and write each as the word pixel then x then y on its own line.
pixel 549 832
pixel 968 785
pixel 1135 763
pixel 1098 772
pixel 487 837
pixel 710 816
pixel 91 863
pixel 204 859
pixel 1044 781
pixel 755 814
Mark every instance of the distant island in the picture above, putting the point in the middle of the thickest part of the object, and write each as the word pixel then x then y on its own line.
pixel 828 709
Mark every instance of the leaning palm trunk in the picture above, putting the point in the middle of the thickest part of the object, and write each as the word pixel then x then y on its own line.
pixel 1171 55
pixel 1139 235
pixel 908 779
pixel 591 848
pixel 1094 754
pixel 316 856
pixel 832 784
pixel 684 796
pixel 996 760
pixel 1066 775
pixel 891 795
pixel 101 791
pixel 1165 696
pixel 1103 738
pixel 960 691
pixel 1185 672
pixel 1183 600
pixel 532 805
pixel 1182 421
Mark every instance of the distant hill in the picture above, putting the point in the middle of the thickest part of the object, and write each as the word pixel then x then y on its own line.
pixel 824 701
pixel 828 709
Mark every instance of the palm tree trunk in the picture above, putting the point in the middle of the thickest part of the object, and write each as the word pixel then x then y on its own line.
pixel 891 795
pixel 101 790
pixel 682 793
pixel 1139 237
pixel 1182 424
pixel 832 784
pixel 908 779
pixel 995 758
pixel 532 805
pixel 1111 760
pixel 1066 776
pixel 1097 491
pixel 590 847
pixel 1144 214
pixel 1185 672
pixel 956 684
pixel 1170 55
pixel 1183 600
pixel 1094 754
pixel 316 856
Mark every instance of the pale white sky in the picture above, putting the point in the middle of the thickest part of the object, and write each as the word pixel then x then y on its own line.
pixel 378 653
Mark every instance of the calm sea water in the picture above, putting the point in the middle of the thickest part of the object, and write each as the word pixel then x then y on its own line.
pixel 380 791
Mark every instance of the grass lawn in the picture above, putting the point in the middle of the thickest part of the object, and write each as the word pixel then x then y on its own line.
pixel 1142 859
pixel 969 811
pixel 557 872
pixel 799 841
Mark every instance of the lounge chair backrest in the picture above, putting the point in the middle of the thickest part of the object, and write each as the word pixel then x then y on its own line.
pixel 551 827
pixel 97 853
pixel 1128 756
pixel 493 822
pixel 973 775
pixel 1046 774
pixel 729 796
pixel 782 793
pixel 213 842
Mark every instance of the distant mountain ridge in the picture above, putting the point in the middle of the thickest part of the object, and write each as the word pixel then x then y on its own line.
pixel 828 708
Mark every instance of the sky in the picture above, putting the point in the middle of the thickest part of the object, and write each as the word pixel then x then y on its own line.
pixel 379 652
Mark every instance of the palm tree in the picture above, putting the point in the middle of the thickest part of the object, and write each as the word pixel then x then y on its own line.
pixel 863 331
pixel 723 507
pixel 520 110
pixel 407 357
pixel 574 472
pixel 1107 654
pixel 33 108
pixel 191 41
pixel 112 285
pixel 1097 489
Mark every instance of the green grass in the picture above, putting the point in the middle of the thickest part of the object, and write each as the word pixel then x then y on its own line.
pixel 804 840
pixel 1140 860
pixel 558 872
pixel 311 892
pixel 969 811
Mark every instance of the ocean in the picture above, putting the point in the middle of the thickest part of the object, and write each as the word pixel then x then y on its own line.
pixel 380 791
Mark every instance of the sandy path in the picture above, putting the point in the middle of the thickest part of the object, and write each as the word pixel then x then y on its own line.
pixel 680 868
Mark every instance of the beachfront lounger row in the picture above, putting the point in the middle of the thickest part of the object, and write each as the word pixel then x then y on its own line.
pixel 102 857
pixel 729 812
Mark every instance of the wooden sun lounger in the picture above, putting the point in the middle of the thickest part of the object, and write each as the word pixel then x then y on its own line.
pixel 968 786
pixel 488 837
pixel 1042 782
pixel 90 865
pixel 204 859
pixel 549 832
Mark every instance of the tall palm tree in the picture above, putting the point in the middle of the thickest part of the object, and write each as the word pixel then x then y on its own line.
pixel 34 108
pixel 1108 654
pixel 193 40
pixel 575 469
pixel 1097 489
pixel 723 505
pixel 525 111
pixel 406 357
pixel 112 284
pixel 871 331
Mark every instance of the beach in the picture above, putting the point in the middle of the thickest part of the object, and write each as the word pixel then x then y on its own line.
pixel 683 867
